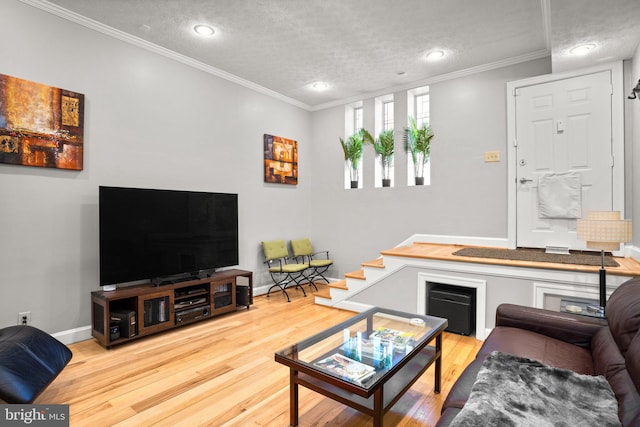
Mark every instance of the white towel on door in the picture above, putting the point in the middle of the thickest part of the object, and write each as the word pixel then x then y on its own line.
pixel 560 195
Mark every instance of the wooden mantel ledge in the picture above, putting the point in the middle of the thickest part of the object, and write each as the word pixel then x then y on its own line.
pixel 444 252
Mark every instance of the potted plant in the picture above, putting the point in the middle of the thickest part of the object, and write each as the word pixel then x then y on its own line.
pixel 418 142
pixel 352 148
pixel 384 147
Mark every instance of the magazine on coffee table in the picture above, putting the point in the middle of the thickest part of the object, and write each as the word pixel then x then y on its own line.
pixel 398 338
pixel 345 367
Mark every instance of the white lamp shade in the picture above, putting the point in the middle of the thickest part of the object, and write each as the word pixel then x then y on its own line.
pixel 604 230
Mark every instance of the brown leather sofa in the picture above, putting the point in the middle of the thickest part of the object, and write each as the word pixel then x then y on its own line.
pixel 582 344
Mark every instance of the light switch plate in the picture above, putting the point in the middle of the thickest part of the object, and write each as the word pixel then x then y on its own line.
pixel 491 156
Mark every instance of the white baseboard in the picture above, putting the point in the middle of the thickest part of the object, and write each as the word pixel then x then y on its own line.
pixel 263 289
pixel 353 306
pixel 260 290
pixel 71 336
pixel 457 240
pixel 633 252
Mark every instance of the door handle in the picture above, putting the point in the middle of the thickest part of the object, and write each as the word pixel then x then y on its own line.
pixel 524 180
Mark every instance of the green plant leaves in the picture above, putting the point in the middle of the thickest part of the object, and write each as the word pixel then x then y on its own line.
pixel 417 141
pixel 353 146
pixel 385 144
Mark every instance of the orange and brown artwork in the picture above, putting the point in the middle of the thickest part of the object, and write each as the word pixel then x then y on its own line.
pixel 40 125
pixel 280 160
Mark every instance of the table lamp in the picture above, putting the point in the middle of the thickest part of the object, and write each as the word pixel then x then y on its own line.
pixel 604 231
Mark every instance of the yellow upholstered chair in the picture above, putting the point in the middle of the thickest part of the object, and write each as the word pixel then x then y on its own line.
pixel 285 271
pixel 319 262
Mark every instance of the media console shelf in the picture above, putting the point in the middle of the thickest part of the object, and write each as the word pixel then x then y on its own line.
pixel 137 311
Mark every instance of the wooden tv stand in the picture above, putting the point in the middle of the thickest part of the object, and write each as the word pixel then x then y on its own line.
pixel 137 311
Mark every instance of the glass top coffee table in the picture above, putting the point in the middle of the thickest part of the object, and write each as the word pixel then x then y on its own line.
pixel 367 362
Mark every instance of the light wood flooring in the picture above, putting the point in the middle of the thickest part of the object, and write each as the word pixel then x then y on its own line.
pixel 221 372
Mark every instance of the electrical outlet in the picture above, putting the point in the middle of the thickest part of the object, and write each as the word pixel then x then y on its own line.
pixel 491 156
pixel 24 318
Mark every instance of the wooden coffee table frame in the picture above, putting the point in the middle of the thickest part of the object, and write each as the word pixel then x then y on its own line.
pixel 376 399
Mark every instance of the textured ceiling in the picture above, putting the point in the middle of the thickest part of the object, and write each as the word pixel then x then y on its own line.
pixel 359 47
pixel 613 25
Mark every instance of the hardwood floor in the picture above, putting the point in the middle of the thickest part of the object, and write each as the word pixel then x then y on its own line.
pixel 222 372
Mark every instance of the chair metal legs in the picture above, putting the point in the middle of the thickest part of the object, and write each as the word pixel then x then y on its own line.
pixel 317 274
pixel 286 281
pixel 312 284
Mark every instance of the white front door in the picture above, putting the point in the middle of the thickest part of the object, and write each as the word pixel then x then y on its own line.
pixel 561 127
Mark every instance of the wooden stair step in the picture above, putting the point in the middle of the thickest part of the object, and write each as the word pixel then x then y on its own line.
pixel 376 263
pixel 340 284
pixel 323 293
pixel 358 274
pixel 424 251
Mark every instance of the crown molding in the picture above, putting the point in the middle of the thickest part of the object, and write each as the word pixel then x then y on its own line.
pixel 545 6
pixel 439 78
pixel 143 44
pixel 137 41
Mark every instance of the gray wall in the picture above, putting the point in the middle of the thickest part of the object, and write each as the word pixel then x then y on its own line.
pixel 149 122
pixel 500 289
pixel 153 122
pixel 467 197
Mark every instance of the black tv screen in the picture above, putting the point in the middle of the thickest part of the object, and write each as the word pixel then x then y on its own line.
pixel 153 234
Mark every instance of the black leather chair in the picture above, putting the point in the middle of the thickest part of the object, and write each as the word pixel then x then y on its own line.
pixel 30 359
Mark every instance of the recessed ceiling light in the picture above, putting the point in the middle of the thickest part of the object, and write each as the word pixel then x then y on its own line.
pixel 434 55
pixel 320 86
pixel 582 49
pixel 204 30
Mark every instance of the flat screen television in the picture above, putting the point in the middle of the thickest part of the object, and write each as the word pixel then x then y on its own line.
pixel 165 235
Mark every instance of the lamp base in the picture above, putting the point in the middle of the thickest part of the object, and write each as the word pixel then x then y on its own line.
pixel 603 288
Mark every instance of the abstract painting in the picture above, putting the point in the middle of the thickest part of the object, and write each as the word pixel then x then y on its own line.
pixel 40 125
pixel 280 160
